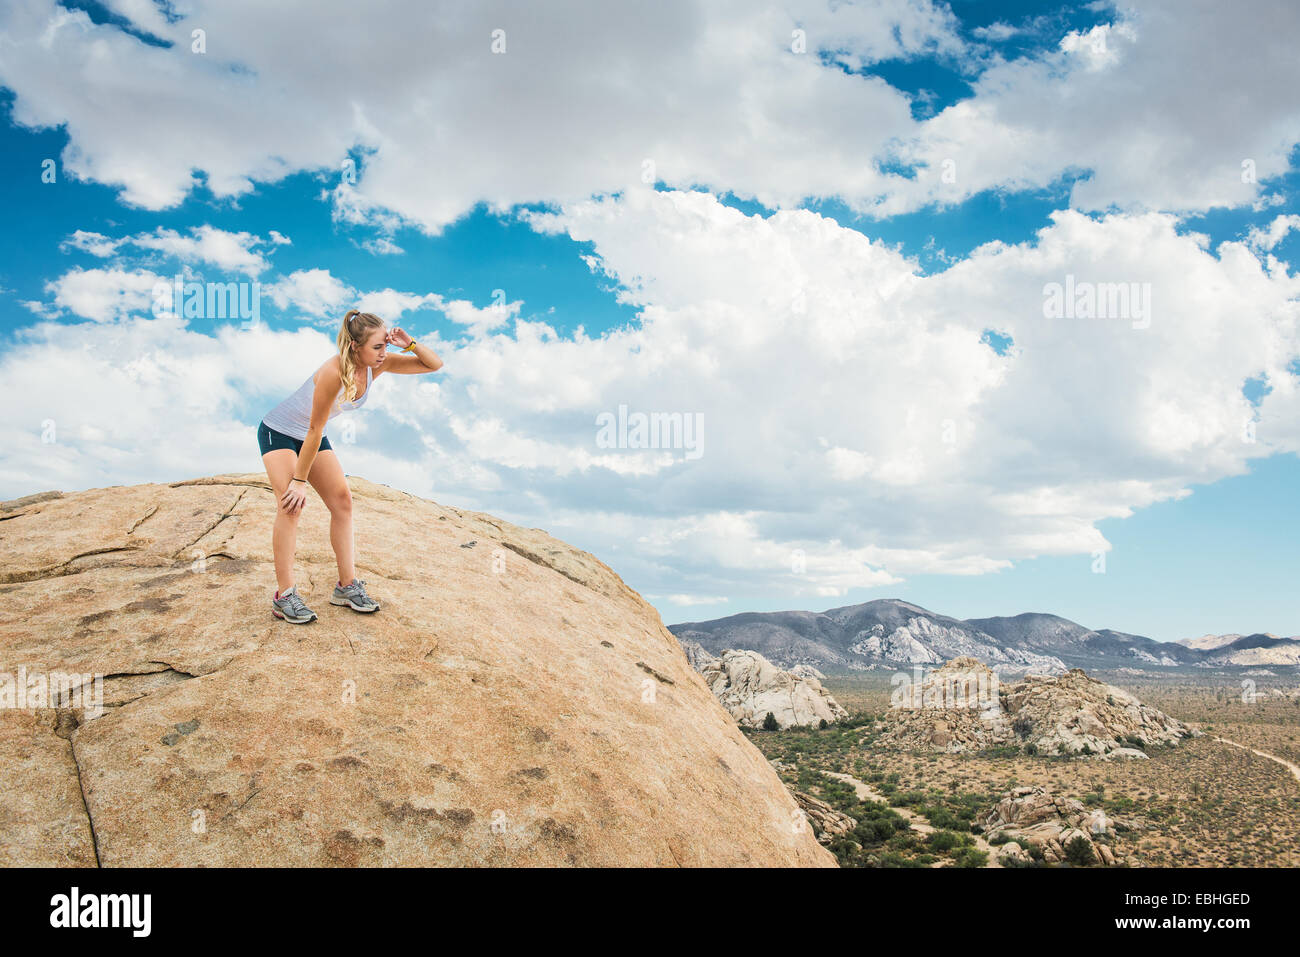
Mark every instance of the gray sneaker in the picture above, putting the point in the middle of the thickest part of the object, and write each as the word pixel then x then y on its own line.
pixel 291 608
pixel 354 596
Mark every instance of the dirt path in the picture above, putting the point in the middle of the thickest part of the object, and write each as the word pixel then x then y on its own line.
pixel 866 792
pixel 1293 768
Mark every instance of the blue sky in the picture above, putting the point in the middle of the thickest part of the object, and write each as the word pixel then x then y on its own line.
pixel 914 427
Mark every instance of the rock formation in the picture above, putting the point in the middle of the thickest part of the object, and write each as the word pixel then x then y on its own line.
pixel 749 687
pixel 829 823
pixel 695 654
pixel 962 707
pixel 513 703
pixel 807 671
pixel 1031 817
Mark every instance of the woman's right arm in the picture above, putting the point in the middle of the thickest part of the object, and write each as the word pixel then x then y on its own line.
pixel 328 384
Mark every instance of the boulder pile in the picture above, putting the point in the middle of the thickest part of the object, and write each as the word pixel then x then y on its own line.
pixel 749 687
pixel 962 706
pixel 1031 817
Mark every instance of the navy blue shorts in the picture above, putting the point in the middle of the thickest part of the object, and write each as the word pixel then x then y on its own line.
pixel 268 439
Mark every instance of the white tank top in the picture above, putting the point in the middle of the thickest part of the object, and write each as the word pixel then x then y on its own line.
pixel 293 415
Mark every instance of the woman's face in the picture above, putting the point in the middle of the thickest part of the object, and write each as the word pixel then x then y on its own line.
pixel 373 351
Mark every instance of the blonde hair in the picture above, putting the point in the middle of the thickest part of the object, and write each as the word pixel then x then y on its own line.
pixel 355 330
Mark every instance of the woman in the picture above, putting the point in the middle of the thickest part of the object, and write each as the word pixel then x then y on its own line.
pixel 296 451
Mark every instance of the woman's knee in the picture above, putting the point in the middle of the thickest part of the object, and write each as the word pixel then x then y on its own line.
pixel 340 504
pixel 282 514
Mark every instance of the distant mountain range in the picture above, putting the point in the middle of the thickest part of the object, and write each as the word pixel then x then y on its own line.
pixel 1257 649
pixel 888 632
pixel 1209 642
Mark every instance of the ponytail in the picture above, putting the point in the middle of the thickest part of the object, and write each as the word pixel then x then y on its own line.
pixel 355 330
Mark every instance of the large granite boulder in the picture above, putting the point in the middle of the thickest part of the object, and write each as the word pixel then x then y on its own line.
pixel 513 703
pixel 749 687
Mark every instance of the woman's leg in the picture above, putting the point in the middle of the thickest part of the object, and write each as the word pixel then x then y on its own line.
pixel 327 478
pixel 280 464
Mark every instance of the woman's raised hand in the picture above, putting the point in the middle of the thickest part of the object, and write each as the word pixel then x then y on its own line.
pixel 397 336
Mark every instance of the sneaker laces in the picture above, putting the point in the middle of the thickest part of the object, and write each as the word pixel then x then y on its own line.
pixel 295 603
pixel 357 592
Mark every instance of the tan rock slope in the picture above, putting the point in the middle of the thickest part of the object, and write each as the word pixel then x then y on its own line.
pixel 962 706
pixel 513 703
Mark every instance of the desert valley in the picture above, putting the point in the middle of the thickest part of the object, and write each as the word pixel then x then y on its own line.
pixel 1089 749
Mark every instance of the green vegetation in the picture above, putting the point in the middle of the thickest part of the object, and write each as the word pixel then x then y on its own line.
pixel 1080 853
pixel 972 857
pixel 1199 803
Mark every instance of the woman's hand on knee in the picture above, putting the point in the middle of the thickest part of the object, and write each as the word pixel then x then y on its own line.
pixel 295 497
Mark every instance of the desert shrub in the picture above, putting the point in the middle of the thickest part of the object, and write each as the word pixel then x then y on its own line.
pixel 941 817
pixel 890 859
pixel 944 840
pixel 874 831
pixel 903 841
pixel 1079 852
pixel 877 823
